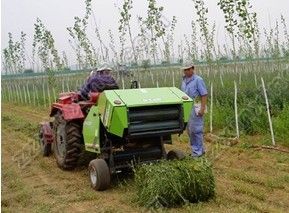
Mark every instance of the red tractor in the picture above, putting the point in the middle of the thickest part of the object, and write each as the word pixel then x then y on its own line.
pixel 66 129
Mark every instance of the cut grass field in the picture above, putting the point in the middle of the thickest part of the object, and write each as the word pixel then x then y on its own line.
pixel 247 179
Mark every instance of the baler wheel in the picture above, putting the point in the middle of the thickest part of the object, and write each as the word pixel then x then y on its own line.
pixel 175 154
pixel 68 143
pixel 99 174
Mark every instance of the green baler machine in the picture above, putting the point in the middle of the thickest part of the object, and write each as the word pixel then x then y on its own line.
pixel 119 129
pixel 131 126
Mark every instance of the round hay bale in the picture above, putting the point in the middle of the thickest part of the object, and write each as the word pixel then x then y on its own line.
pixel 173 183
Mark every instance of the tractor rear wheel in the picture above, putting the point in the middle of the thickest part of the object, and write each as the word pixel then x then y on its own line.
pixel 68 143
pixel 175 154
pixel 99 174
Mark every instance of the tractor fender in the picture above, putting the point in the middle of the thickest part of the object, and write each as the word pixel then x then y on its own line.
pixel 69 111
pixel 47 132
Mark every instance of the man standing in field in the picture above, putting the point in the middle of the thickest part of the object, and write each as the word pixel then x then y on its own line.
pixel 194 86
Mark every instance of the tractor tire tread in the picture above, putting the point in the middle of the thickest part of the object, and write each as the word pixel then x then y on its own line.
pixel 73 146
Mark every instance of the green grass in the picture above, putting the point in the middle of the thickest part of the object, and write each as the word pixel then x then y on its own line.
pixel 252 179
pixel 172 183
pixel 20 125
pixel 250 191
pixel 44 207
pixel 13 185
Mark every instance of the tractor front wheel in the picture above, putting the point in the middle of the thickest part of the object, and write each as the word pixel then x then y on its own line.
pixel 68 143
pixel 99 174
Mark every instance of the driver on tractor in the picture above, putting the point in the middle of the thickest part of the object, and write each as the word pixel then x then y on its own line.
pixel 98 81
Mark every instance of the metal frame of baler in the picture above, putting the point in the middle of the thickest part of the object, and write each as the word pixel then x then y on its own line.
pixel 108 153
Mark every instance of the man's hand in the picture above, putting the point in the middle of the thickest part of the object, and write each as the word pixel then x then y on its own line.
pixel 201 112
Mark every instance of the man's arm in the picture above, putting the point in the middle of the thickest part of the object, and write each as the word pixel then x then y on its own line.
pixel 203 105
pixel 203 93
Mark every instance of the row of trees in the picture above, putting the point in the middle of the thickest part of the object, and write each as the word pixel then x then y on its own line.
pixel 154 42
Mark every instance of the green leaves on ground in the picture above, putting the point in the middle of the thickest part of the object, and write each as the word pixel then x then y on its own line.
pixel 173 183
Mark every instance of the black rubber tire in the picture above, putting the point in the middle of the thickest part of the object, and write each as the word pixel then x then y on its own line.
pixel 44 147
pixel 175 154
pixel 72 143
pixel 99 170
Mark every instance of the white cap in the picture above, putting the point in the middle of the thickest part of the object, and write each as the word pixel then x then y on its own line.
pixel 187 65
pixel 104 67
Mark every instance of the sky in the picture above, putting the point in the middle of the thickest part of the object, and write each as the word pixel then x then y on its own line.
pixel 57 15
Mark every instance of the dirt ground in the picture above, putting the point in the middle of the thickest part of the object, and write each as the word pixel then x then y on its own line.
pixel 247 179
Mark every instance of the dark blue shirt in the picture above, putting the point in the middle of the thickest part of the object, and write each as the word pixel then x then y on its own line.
pixel 98 83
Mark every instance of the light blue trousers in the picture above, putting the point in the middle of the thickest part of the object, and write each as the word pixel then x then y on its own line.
pixel 195 130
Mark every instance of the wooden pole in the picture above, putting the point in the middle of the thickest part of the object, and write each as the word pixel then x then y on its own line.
pixel 240 77
pixel 67 85
pixel 17 97
pixel 62 85
pixel 9 92
pixel 211 109
pixel 24 91
pixel 268 112
pixel 122 81
pixel 221 79
pixel 37 96
pixel 157 81
pixel 44 98
pixel 34 95
pixel 54 94
pixel 20 93
pixel 236 110
pixel 174 79
pixel 255 80
pixel 48 95
pixel 28 94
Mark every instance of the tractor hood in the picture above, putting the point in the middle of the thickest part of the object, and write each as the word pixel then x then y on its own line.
pixel 148 96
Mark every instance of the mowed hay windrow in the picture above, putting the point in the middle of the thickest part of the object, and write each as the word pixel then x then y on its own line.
pixel 173 183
